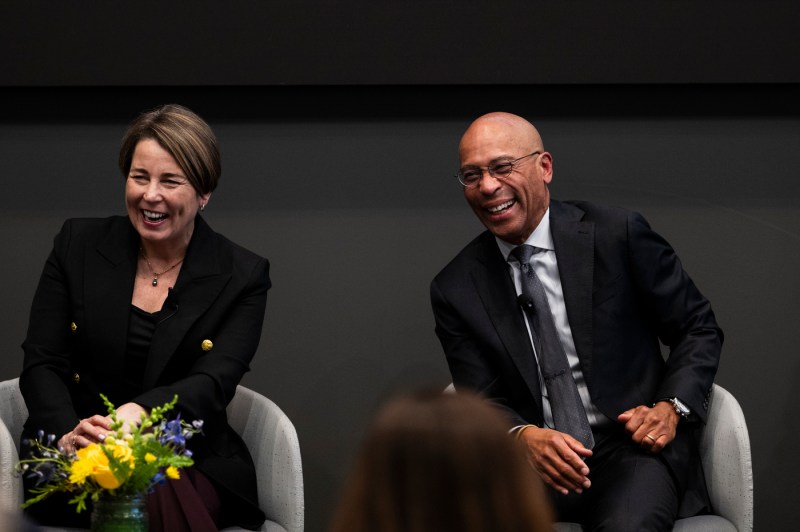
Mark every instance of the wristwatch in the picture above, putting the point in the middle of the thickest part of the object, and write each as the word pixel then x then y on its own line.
pixel 680 408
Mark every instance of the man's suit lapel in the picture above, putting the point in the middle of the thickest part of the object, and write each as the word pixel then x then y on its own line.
pixel 496 289
pixel 574 243
pixel 199 283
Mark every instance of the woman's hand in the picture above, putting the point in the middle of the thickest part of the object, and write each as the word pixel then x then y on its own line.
pixel 131 415
pixel 89 430
pixel 95 428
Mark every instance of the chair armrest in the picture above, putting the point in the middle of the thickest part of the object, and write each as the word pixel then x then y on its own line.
pixel 727 465
pixel 272 441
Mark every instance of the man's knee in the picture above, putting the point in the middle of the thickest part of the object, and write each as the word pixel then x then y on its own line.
pixel 640 495
pixel 635 521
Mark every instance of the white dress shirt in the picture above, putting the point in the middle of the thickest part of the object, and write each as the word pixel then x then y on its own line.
pixel 546 267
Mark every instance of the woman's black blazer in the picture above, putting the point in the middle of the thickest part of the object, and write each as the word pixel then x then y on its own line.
pixel 207 334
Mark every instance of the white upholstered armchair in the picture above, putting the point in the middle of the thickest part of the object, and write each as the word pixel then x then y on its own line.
pixel 725 453
pixel 267 431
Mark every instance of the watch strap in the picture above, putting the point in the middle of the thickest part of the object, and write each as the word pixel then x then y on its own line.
pixel 679 406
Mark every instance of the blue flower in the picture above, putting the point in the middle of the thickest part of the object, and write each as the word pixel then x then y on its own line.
pixel 172 433
pixel 42 473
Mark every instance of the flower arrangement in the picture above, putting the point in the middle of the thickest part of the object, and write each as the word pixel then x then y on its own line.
pixel 129 461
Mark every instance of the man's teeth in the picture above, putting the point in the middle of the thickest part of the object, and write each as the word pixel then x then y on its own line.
pixel 154 216
pixel 501 207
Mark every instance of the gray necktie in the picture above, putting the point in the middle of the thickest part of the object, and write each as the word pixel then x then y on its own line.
pixel 568 413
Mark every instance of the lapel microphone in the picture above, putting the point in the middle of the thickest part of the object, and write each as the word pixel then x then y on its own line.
pixel 526 302
pixel 171 303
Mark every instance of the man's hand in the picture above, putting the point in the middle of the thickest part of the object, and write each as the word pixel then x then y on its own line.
pixel 558 457
pixel 651 428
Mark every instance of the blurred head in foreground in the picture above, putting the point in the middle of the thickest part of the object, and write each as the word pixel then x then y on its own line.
pixel 443 462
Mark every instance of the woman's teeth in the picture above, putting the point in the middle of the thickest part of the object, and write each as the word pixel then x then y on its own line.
pixel 154 216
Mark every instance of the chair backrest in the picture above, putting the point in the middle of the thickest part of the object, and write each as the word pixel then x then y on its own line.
pixel 727 464
pixel 13 414
pixel 272 441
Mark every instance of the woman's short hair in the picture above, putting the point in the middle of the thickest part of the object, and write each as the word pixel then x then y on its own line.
pixel 444 462
pixel 185 136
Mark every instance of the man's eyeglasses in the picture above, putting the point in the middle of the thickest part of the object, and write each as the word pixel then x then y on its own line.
pixel 470 176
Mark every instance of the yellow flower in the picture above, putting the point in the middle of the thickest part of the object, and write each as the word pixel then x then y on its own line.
pixel 84 465
pixel 150 458
pixel 92 462
pixel 121 452
pixel 173 473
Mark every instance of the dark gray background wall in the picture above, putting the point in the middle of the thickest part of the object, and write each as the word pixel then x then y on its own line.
pixel 339 125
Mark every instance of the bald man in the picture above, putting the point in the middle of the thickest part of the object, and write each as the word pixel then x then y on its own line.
pixel 616 291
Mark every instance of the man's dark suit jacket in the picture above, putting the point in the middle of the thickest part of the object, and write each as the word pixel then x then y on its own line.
pixel 624 290
pixel 78 330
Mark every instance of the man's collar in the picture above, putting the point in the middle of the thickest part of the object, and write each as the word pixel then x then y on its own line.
pixel 540 238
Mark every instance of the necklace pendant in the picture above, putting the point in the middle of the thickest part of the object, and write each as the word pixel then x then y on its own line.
pixel 155 281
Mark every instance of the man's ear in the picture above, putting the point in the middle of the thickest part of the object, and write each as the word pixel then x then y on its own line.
pixel 545 163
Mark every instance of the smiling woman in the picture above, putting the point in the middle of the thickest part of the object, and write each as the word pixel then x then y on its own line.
pixel 103 321
pixel 172 164
pixel 161 202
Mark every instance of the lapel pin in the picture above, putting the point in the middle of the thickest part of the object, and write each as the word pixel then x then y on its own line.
pixel 73 327
pixel 207 345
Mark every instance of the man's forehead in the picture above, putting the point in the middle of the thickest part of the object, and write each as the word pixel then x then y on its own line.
pixel 498 159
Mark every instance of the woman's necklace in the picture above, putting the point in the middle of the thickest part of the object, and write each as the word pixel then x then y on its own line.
pixel 155 273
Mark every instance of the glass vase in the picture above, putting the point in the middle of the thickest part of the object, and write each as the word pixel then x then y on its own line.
pixel 120 513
